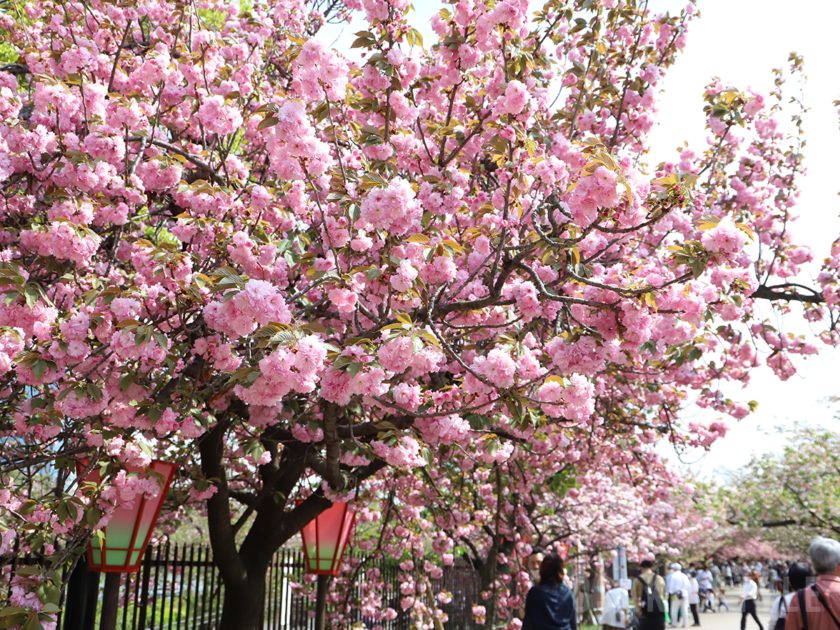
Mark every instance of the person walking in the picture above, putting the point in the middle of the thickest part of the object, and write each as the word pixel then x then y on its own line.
pixel 821 601
pixel 722 600
pixel 716 576
pixel 727 574
pixel 680 586
pixel 616 607
pixel 550 605
pixel 669 583
pixel 705 579
pixel 798 575
pixel 648 598
pixel 533 564
pixel 694 597
pixel 748 597
pixel 772 576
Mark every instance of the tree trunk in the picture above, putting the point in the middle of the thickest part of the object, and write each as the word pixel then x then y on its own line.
pixel 598 586
pixel 244 603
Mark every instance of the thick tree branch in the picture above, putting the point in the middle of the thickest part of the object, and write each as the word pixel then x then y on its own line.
pixel 370 429
pixel 768 293
pixel 40 459
pixel 333 469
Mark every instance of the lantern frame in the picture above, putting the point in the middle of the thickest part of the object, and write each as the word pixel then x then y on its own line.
pixel 317 528
pixel 138 513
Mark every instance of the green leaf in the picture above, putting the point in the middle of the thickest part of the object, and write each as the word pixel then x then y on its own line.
pixel 93 392
pixel 36 543
pixel 31 296
pixel 365 40
pixel 426 454
pixel 268 122
pixel 49 595
pixel 62 513
pixel 12 620
pixel 418 37
pixel 92 516
pixel 161 339
pixel 126 381
pixel 27 508
pixel 12 610
pixel 32 623
pixel 39 369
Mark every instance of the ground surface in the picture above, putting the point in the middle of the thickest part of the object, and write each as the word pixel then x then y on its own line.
pixel 732 620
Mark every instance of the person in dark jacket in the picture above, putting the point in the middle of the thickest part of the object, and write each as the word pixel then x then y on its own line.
pixel 550 605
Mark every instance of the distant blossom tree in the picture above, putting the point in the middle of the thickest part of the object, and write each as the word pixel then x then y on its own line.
pixel 226 244
pixel 572 487
pixel 787 497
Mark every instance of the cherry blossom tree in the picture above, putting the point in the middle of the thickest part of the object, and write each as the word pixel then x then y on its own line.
pixel 789 496
pixel 493 512
pixel 227 244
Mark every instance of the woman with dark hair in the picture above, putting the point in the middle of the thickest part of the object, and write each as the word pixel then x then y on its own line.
pixel 550 605
pixel 797 576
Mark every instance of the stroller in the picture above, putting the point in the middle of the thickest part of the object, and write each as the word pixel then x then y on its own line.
pixel 707 600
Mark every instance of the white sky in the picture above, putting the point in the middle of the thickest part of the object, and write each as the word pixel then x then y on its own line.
pixel 741 41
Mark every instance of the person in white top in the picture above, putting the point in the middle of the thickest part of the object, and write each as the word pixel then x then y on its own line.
pixel 748 598
pixel 705 578
pixel 678 594
pixel 706 581
pixel 694 598
pixel 616 606
pixel 798 575
pixel 772 576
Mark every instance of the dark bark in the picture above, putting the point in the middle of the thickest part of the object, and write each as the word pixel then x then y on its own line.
pixel 82 592
pixel 771 293
pixel 220 529
pixel 110 602
pixel 243 603
pixel 783 523
pixel 333 477
pixel 321 601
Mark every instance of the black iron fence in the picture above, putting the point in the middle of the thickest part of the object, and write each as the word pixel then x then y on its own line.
pixel 178 588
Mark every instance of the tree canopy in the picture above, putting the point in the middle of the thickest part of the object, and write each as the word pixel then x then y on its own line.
pixel 296 273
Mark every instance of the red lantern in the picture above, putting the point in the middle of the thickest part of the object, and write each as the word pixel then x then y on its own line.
pixel 563 550
pixel 325 538
pixel 127 534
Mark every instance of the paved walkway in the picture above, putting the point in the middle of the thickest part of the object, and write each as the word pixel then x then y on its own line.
pixel 732 620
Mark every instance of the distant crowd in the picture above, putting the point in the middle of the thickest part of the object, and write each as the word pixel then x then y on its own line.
pixel 652 602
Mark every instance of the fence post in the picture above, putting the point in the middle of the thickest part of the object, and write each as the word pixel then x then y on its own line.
pixel 144 593
pixel 110 601
pixel 321 601
pixel 82 594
